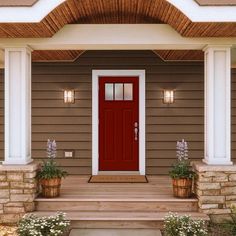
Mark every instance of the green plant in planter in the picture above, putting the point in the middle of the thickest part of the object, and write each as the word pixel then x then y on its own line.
pixel 181 169
pixel 50 174
pixel 181 173
pixel 49 169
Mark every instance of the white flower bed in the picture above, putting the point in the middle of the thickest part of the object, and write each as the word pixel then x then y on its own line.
pixel 31 225
pixel 175 225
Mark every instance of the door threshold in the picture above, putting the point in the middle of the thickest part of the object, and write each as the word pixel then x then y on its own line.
pixel 118 173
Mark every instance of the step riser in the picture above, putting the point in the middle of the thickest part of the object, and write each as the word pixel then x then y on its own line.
pixel 116 224
pixel 117 206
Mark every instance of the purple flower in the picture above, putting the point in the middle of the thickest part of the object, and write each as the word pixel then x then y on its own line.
pixel 51 149
pixel 182 150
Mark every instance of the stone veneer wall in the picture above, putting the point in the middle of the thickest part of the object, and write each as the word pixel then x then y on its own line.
pixel 215 187
pixel 18 189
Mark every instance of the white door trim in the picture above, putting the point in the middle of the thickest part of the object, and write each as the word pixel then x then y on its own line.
pixel 95 112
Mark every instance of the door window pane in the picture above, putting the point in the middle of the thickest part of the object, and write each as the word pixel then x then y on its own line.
pixel 109 92
pixel 128 92
pixel 118 91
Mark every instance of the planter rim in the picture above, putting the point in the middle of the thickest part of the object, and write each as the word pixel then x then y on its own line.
pixel 40 179
pixel 183 178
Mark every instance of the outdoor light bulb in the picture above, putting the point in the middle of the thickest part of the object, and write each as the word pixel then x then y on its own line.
pixel 69 96
pixel 168 97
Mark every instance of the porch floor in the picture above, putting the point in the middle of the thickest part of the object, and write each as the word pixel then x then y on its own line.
pixel 117 205
pixel 77 187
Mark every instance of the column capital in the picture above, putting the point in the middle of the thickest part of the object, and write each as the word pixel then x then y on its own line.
pixel 217 47
pixel 18 48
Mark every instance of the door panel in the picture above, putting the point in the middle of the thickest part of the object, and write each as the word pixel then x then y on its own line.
pixel 118 123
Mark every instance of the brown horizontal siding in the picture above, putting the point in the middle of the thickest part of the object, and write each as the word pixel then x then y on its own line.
pixel 71 125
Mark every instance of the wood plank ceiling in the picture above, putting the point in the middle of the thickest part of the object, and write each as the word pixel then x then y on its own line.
pixel 180 55
pixel 55 55
pixel 119 11
pixel 72 55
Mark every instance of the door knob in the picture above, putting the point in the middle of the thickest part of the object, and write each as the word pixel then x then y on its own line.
pixel 136 131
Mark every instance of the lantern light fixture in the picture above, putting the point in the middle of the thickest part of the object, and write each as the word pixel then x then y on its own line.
pixel 168 96
pixel 69 96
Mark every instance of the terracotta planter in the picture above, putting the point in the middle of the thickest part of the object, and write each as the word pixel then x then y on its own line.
pixel 51 187
pixel 182 188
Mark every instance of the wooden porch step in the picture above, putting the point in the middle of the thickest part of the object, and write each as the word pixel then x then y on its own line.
pixel 118 205
pixel 124 219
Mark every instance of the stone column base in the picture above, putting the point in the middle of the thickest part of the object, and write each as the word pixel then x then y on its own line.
pixel 18 188
pixel 215 187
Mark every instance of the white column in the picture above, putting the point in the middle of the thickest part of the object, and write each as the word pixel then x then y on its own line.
pixel 217 105
pixel 17 105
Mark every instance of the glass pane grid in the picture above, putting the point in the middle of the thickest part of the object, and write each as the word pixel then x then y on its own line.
pixel 118 91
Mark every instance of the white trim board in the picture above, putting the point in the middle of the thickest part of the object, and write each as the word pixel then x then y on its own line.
pixel 116 37
pixel 95 113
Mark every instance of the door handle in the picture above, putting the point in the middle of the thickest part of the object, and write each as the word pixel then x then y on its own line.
pixel 136 131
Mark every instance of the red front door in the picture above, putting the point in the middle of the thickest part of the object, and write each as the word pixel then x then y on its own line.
pixel 118 123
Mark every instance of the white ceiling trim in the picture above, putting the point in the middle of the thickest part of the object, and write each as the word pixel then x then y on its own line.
pixel 117 37
pixel 28 14
pixel 197 13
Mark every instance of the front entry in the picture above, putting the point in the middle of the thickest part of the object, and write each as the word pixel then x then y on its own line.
pixel 118 123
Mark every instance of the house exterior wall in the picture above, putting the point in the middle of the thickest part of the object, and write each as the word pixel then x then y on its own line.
pixel 71 125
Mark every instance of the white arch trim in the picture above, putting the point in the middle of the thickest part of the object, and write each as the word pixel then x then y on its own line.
pixel 197 13
pixel 190 8
pixel 28 14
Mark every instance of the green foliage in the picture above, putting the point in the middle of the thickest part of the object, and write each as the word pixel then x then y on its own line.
pixel 181 170
pixel 230 225
pixel 32 225
pixel 175 225
pixel 49 170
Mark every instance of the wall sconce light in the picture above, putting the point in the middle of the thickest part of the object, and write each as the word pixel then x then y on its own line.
pixel 168 97
pixel 69 96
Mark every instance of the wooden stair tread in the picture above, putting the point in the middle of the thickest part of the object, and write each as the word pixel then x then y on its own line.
pixel 115 199
pixel 121 216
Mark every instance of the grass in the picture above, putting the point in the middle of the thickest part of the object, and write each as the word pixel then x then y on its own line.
pixel 218 230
